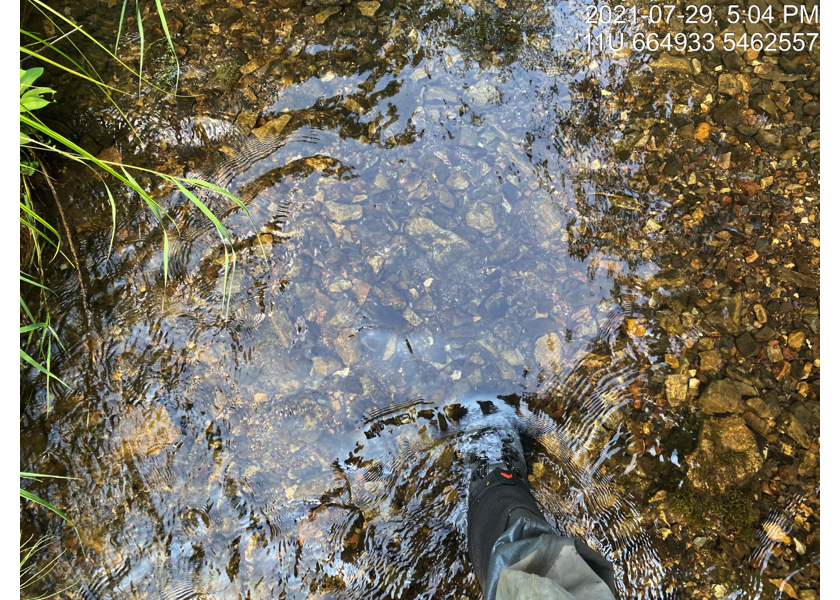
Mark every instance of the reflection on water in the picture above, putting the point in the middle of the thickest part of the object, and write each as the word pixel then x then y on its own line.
pixel 444 194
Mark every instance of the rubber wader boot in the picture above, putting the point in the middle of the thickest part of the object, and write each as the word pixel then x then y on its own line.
pixel 498 489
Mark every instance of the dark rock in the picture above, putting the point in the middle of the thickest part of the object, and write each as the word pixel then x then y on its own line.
pixel 765 334
pixel 795 277
pixel 803 413
pixel 672 167
pixel 767 408
pixel 791 426
pixel 790 142
pixel 762 244
pixel 729 113
pixel 811 108
pixel 686 132
pixel 747 346
pixel 787 65
pixel 510 192
pixel 766 105
pixel 812 318
pixel 757 424
pixel 726 315
pixel 733 61
pixel 725 396
pixel 767 139
pixel 227 16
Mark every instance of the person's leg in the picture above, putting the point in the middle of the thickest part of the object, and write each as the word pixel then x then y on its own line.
pixel 515 553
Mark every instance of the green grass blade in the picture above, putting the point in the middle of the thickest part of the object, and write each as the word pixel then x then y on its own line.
pixel 48 366
pixel 142 46
pixel 40 574
pixel 156 208
pixel 79 154
pixel 113 216
pixel 38 476
pixel 41 5
pixel 43 8
pixel 35 364
pixel 227 289
pixel 37 232
pixel 203 208
pixel 97 80
pixel 26 279
pixel 165 260
pixel 26 309
pixel 227 194
pixel 55 335
pixel 119 27
pixel 32 327
pixel 37 500
pixel 225 294
pixel 31 550
pixel 35 216
pixel 171 45
pixel 68 69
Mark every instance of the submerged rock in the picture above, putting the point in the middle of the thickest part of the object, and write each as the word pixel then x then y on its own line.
pixel 676 389
pixel 730 85
pixel 433 238
pixel 325 14
pixel 224 77
pixel 725 396
pixel 726 318
pixel 368 8
pixel 272 129
pixel 666 62
pixel 481 217
pixel 727 455
pixel 728 113
pixel 146 431
pixel 342 213
pixel 547 350
pixel 794 428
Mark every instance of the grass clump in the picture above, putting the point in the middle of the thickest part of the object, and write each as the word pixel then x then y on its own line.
pixel 41 241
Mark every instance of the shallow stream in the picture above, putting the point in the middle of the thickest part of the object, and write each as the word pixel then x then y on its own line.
pixel 450 203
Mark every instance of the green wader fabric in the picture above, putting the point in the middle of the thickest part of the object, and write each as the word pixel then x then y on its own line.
pixel 530 562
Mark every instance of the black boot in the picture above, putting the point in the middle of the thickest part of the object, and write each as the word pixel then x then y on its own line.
pixel 498 487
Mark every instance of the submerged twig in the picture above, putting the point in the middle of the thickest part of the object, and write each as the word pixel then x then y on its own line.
pixel 47 45
pixel 85 305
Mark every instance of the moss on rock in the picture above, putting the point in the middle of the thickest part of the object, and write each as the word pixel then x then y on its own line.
pixel 225 76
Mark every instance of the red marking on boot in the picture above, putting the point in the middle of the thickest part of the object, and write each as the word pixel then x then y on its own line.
pixel 506 475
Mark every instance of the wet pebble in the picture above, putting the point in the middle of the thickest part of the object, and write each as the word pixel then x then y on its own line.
pixel 729 84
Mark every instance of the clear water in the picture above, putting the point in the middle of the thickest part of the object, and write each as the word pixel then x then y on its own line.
pixel 448 218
